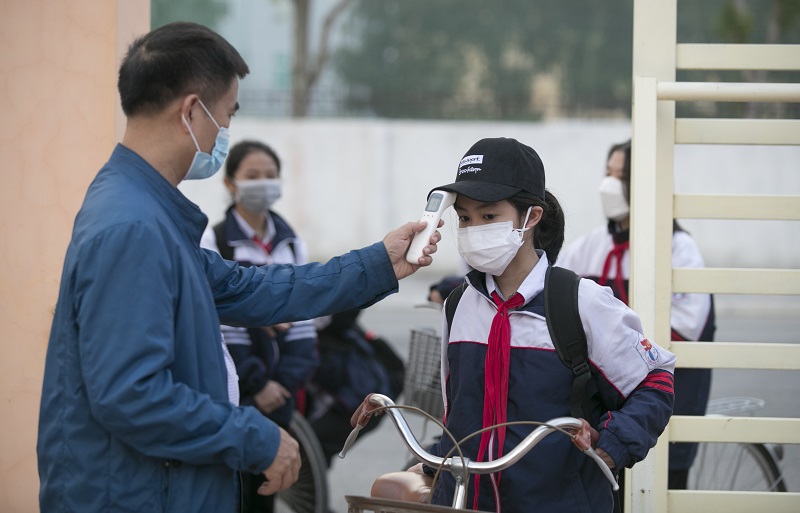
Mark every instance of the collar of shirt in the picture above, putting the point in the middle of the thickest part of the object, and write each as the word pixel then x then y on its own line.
pixel 531 286
pixel 250 232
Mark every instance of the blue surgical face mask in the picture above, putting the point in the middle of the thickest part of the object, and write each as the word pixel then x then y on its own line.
pixel 205 165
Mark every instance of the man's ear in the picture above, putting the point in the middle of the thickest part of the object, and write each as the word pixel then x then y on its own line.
pixel 187 105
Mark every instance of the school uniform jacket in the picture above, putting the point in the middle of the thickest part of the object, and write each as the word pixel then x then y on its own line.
pixel 289 358
pixel 634 377
pixel 691 315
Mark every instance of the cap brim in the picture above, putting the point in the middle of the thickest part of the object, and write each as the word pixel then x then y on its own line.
pixel 480 191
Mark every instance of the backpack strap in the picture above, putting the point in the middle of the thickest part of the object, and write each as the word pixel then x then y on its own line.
pixel 569 339
pixel 451 304
pixel 222 241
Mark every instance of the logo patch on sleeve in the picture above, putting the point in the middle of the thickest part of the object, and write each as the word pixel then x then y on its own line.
pixel 648 352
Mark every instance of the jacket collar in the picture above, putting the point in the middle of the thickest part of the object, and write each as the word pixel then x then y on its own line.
pixel 187 216
pixel 236 235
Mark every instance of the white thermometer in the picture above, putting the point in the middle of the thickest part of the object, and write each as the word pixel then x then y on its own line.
pixel 437 203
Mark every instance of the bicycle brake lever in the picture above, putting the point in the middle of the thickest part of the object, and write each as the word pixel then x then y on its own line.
pixel 602 464
pixel 351 439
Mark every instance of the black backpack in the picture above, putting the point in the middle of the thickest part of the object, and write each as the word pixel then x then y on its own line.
pixel 566 330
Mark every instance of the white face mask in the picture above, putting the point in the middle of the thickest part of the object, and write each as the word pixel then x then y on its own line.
pixel 258 195
pixel 491 247
pixel 612 195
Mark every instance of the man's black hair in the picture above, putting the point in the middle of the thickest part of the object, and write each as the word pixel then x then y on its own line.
pixel 177 59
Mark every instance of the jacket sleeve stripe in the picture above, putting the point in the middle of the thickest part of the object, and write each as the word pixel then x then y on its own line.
pixel 659 380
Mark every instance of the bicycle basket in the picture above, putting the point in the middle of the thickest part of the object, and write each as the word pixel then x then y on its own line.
pixel 422 385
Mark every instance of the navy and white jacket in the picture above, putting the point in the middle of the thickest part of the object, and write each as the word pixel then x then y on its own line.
pixel 691 315
pixel 634 377
pixel 291 357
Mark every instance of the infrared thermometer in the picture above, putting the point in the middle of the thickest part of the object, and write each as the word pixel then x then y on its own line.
pixel 437 203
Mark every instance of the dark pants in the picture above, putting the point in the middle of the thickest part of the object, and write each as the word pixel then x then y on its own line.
pixel 252 502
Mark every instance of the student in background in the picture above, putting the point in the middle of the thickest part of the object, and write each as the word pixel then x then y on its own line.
pixel 439 291
pixel 273 362
pixel 603 255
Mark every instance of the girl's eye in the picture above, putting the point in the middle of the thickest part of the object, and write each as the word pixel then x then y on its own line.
pixel 488 217
pixel 463 219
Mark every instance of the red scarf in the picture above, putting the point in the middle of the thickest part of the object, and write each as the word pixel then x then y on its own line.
pixel 616 253
pixel 266 247
pixel 495 388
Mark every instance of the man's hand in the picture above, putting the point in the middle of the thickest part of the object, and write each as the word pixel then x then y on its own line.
pixel 398 241
pixel 285 467
pixel 271 397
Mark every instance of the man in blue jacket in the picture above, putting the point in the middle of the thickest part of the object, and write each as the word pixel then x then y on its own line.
pixel 136 413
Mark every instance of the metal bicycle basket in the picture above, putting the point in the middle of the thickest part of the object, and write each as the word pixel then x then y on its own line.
pixel 422 384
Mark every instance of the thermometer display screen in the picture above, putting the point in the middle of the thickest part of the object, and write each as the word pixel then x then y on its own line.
pixel 434 202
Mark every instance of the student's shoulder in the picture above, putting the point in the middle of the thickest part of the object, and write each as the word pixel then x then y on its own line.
pixel 596 233
pixel 685 251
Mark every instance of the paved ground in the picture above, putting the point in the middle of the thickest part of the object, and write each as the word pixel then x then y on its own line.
pixel 739 319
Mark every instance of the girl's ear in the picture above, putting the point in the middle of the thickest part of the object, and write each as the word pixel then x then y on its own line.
pixel 229 185
pixel 534 217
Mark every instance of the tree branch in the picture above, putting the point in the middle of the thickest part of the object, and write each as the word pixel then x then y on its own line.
pixel 324 40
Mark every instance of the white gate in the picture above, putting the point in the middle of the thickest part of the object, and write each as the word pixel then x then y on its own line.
pixel 656 57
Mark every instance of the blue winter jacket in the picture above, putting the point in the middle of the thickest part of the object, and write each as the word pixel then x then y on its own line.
pixel 134 413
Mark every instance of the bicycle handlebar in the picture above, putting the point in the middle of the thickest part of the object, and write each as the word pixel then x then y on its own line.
pixel 458 465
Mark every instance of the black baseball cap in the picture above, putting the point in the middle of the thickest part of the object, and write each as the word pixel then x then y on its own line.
pixel 497 168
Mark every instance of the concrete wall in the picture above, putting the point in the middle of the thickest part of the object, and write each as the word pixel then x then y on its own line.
pixel 60 121
pixel 348 182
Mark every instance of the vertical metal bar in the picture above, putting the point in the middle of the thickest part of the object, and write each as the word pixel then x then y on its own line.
pixel 654 43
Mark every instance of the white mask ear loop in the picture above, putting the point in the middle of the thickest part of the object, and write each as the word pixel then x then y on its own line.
pixel 190 132
pixel 209 114
pixel 527 215
pixel 521 231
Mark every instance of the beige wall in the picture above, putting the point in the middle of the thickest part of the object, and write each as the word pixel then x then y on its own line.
pixel 60 120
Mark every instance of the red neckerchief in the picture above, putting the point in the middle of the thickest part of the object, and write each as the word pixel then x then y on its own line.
pixel 495 387
pixel 267 247
pixel 617 252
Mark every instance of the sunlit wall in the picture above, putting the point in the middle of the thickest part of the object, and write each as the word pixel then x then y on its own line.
pixel 58 63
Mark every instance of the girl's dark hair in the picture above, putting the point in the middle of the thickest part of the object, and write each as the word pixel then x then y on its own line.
pixel 242 149
pixel 548 235
pixel 174 60
pixel 625 147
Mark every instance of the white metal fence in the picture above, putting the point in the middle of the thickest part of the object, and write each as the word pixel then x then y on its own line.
pixel 656 131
